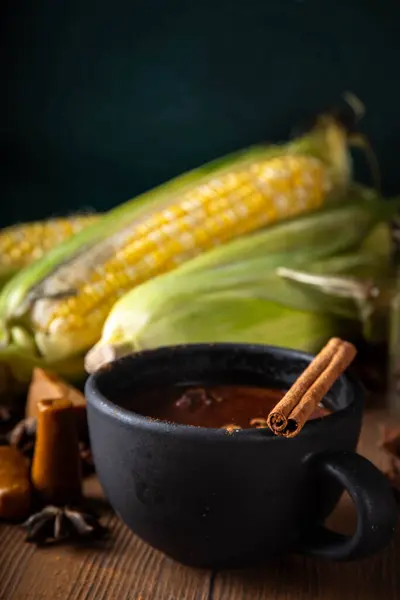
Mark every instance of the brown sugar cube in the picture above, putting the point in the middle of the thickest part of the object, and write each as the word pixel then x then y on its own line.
pixel 15 487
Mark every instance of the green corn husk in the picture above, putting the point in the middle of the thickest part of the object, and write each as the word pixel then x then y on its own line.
pixel 38 298
pixel 239 293
pixel 321 234
pixel 328 231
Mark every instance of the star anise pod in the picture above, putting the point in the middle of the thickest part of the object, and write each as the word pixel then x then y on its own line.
pixel 55 524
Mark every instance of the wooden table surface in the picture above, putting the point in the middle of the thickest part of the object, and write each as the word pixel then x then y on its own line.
pixel 127 569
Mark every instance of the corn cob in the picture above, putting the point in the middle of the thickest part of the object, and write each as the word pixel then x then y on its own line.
pixel 206 299
pixel 24 243
pixel 62 301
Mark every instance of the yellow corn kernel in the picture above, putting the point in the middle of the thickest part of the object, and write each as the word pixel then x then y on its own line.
pixel 22 244
pixel 225 208
pixel 62 301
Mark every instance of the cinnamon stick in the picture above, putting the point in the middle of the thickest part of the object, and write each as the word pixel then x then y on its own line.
pixel 291 413
pixel 278 418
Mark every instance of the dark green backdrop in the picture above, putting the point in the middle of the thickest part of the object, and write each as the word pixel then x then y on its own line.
pixel 102 100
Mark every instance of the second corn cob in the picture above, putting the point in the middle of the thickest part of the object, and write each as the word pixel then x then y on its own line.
pixel 22 244
pixel 59 304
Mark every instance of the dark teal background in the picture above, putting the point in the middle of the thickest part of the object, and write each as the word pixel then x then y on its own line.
pixel 102 100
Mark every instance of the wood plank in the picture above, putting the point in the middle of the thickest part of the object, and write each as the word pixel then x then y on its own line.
pixel 299 578
pixel 124 568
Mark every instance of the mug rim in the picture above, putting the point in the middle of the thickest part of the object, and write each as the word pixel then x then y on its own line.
pixel 112 410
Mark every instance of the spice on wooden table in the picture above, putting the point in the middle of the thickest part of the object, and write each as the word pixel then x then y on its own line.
pixel 15 487
pixel 56 469
pixel 291 413
pixel 56 524
pixel 56 477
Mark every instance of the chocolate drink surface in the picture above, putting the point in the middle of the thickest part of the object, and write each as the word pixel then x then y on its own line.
pixel 211 406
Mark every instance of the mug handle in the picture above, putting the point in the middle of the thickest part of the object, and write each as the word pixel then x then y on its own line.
pixel 374 503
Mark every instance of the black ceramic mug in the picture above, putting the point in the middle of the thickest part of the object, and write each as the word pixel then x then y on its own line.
pixel 209 498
